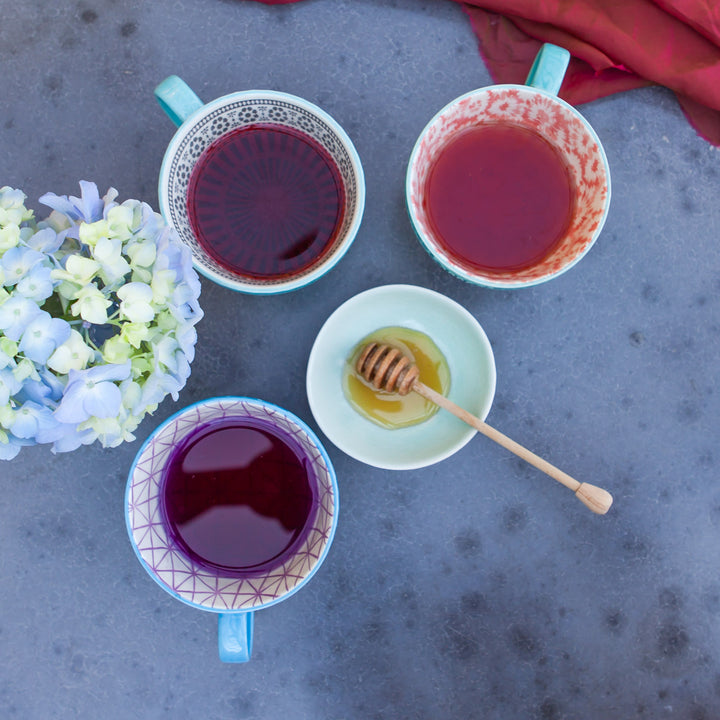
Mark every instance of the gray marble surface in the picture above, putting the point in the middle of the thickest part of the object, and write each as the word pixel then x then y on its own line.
pixel 476 588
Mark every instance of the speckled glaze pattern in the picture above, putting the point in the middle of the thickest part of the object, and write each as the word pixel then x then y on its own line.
pixel 239 110
pixel 165 561
pixel 559 124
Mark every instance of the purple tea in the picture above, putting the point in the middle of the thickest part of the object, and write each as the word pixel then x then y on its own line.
pixel 266 201
pixel 237 496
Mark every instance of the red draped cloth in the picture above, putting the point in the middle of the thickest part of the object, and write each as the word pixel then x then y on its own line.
pixel 615 45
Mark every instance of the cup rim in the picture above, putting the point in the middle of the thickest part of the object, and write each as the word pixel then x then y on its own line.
pixel 332 480
pixel 430 246
pixel 328 262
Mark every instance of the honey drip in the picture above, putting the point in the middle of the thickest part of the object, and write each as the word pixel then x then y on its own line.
pixel 390 410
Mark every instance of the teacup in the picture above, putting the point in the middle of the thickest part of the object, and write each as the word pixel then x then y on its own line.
pixel 211 533
pixel 514 144
pixel 265 188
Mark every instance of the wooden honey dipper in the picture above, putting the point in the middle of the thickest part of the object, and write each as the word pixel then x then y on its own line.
pixel 387 368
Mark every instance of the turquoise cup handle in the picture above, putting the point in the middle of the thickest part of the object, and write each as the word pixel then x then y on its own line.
pixel 235 634
pixel 177 99
pixel 548 70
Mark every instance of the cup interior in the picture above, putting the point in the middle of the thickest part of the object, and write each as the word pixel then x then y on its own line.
pixel 163 557
pixel 232 112
pixel 560 125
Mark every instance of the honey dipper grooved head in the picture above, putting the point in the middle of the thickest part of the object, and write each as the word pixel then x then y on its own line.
pixel 386 368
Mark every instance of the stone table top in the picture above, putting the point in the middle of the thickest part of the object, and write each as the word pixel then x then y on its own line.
pixel 473 588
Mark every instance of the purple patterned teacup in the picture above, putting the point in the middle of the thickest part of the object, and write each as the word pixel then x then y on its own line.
pixel 244 449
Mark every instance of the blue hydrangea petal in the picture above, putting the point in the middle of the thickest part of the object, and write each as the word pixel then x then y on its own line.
pixel 55 388
pixel 62 204
pixel 9 385
pixel 111 371
pixel 35 391
pixel 71 409
pixel 18 261
pixel 187 338
pixel 88 207
pixel 46 240
pixel 92 392
pixel 92 203
pixel 42 335
pixel 37 285
pixel 15 313
pixel 27 420
pixel 103 400
pixel 11 448
pixel 67 437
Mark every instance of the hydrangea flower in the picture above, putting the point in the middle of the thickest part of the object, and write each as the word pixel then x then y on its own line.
pixel 37 284
pixel 98 304
pixel 73 354
pixel 16 312
pixel 92 392
pixel 136 302
pixel 17 263
pixel 41 337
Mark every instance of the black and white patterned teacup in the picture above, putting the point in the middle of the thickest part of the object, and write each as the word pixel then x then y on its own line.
pixel 265 188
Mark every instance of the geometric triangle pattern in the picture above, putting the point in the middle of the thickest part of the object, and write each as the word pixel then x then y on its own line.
pixel 165 560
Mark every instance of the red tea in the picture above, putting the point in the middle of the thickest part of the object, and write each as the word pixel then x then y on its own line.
pixel 266 201
pixel 499 198
pixel 237 496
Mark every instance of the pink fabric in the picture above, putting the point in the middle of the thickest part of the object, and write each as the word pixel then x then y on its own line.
pixel 616 45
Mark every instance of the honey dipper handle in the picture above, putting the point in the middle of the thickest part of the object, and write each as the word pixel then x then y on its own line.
pixel 597 499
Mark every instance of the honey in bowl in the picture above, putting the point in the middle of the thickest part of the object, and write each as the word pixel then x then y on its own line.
pixel 391 410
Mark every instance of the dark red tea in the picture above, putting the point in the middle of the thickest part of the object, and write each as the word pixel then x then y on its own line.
pixel 499 197
pixel 266 201
pixel 237 496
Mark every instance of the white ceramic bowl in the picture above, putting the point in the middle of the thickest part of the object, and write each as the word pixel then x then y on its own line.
pixel 459 337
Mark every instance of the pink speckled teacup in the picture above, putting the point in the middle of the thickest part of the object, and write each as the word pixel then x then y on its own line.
pixel 536 107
